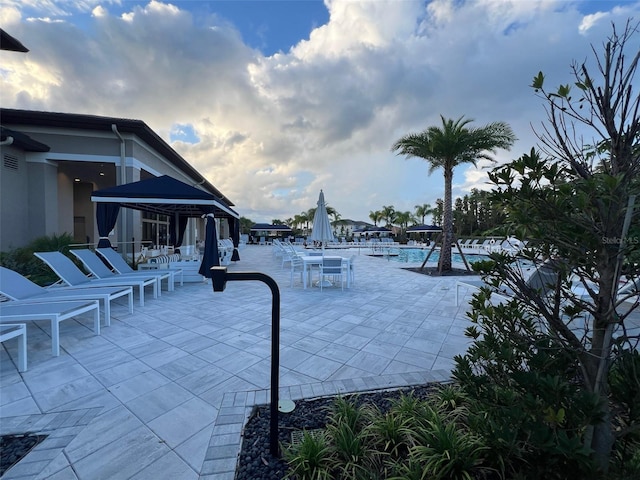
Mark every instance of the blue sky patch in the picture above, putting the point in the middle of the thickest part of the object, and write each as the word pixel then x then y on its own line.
pixel 183 132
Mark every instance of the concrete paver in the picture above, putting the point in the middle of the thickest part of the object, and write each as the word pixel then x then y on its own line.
pixel 165 391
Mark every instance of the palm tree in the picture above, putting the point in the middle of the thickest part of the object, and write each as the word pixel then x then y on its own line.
pixel 304 220
pixel 388 214
pixel 375 216
pixel 422 211
pixel 403 219
pixel 447 147
pixel 298 220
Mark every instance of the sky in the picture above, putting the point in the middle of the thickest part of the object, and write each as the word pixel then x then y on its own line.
pixel 274 100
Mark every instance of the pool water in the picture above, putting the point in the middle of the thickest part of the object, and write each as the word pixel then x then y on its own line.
pixel 417 255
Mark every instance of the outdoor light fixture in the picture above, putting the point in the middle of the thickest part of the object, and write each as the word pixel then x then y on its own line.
pixel 219 279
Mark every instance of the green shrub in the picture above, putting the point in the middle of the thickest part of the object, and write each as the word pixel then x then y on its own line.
pixel 525 399
pixel 23 261
pixel 388 433
pixel 446 450
pixel 414 439
pixel 624 382
pixel 311 459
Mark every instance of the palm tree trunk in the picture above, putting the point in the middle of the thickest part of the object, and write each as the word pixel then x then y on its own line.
pixel 444 263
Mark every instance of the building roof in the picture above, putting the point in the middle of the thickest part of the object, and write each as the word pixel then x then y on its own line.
pixel 79 121
pixel 23 141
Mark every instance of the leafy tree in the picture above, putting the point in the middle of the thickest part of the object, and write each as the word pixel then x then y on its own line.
pixel 447 147
pixel 307 217
pixel 422 211
pixel 375 216
pixel 388 214
pixel 477 214
pixel 298 220
pixel 576 201
pixel 438 212
pixel 403 219
pixel 246 224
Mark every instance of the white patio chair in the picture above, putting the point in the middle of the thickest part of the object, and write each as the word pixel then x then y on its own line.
pixel 19 288
pixel 297 266
pixel 288 254
pixel 351 269
pixel 332 267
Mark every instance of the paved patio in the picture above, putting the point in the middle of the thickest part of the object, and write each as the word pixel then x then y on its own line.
pixel 164 392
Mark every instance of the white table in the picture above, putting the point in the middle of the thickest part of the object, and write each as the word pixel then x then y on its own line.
pixel 308 261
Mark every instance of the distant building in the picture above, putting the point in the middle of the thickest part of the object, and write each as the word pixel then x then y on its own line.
pixel 51 163
pixel 346 227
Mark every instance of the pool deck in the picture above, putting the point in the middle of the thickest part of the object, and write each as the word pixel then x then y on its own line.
pixel 163 393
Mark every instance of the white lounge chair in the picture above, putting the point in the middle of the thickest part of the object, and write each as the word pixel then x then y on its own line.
pixel 19 331
pixel 543 279
pixel 19 288
pixel 98 269
pixel 629 290
pixel 70 274
pixel 54 312
pixel 121 266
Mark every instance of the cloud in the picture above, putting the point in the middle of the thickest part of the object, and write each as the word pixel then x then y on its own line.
pixel 271 131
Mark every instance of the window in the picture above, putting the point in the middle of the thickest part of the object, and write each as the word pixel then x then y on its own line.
pixel 155 228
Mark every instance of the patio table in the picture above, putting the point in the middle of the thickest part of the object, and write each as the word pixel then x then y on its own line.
pixel 309 261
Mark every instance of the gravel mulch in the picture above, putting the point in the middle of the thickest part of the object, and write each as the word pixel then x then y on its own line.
pixel 13 448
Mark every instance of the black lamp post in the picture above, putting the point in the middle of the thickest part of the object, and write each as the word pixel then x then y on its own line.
pixel 219 279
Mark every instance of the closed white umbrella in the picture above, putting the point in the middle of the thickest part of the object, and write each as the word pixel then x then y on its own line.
pixel 321 230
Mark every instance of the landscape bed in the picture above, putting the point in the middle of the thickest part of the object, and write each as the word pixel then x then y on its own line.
pixel 255 461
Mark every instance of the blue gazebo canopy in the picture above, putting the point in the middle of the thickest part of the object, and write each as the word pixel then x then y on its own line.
pixel 266 227
pixel 424 229
pixel 164 195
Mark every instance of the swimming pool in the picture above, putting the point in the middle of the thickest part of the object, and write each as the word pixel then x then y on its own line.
pixel 417 255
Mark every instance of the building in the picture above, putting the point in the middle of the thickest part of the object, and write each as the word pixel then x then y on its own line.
pixel 346 227
pixel 52 162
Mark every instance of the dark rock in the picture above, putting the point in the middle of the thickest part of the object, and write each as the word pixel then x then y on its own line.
pixel 14 448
